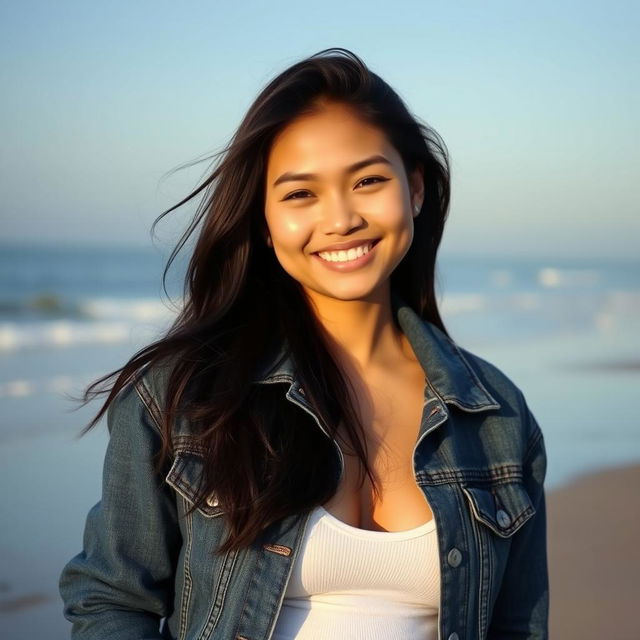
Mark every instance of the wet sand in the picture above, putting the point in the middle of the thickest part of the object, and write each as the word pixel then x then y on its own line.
pixel 594 558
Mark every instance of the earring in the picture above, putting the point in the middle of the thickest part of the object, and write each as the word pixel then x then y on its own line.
pixel 416 209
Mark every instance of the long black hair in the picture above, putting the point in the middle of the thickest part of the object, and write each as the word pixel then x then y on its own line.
pixel 264 457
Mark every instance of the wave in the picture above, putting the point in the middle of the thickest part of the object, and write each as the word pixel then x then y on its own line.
pixel 555 277
pixel 49 305
pixel 58 385
pixel 103 321
pixel 89 321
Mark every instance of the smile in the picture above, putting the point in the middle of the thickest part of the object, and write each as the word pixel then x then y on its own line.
pixel 348 260
pixel 346 256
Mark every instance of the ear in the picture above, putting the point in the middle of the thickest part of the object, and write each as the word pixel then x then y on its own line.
pixel 416 189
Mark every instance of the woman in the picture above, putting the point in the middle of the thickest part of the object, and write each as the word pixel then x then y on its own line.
pixel 307 453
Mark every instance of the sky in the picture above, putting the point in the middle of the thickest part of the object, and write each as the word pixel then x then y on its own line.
pixel 536 102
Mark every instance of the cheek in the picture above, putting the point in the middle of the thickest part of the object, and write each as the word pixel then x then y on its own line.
pixel 391 212
pixel 287 229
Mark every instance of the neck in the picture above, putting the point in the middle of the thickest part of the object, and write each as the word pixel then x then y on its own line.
pixel 362 333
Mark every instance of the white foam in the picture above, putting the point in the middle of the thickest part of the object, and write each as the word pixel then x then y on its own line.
pixel 554 277
pixel 58 385
pixel 17 388
pixel 66 333
pixel 139 310
pixel 103 321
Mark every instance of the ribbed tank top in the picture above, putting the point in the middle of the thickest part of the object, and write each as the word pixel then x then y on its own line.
pixel 352 583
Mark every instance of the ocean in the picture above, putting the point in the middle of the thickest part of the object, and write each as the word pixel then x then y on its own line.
pixel 564 330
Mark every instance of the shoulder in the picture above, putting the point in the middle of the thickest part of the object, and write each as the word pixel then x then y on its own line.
pixel 145 393
pixel 154 380
pixel 491 376
pixel 152 387
pixel 514 409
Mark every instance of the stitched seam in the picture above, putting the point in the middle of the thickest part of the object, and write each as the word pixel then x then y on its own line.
pixel 304 523
pixel 228 571
pixel 182 488
pixel 490 580
pixel 252 584
pixel 187 444
pixel 521 519
pixel 437 516
pixel 484 571
pixel 221 590
pixel 150 404
pixel 188 581
pixel 473 374
pixel 462 514
pixel 500 475
pixel 478 548
pixel 468 407
pixel 533 441
pixel 187 491
pixel 503 533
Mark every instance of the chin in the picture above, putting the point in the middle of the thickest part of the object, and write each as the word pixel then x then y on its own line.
pixel 348 294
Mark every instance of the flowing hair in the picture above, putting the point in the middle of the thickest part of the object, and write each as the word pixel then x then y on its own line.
pixel 265 458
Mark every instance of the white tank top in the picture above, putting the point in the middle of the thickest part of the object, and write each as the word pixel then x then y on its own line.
pixel 354 583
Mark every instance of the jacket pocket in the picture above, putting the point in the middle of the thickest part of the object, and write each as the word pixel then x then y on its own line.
pixel 185 476
pixel 504 508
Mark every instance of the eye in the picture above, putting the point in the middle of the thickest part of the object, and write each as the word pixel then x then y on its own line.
pixel 377 178
pixel 290 196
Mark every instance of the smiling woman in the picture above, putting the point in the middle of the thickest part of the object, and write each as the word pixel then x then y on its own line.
pixel 340 217
pixel 307 453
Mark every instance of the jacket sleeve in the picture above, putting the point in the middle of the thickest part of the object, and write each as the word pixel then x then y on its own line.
pixel 122 583
pixel 521 609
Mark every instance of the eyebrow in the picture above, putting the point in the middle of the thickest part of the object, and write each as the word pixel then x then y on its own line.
pixel 290 176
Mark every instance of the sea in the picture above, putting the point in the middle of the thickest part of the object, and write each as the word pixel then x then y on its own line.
pixel 565 330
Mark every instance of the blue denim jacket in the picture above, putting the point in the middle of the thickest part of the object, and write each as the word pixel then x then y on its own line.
pixel 149 571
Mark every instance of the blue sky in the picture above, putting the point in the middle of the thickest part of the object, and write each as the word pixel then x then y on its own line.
pixel 537 103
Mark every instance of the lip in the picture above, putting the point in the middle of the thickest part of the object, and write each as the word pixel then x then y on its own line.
pixel 344 246
pixel 350 265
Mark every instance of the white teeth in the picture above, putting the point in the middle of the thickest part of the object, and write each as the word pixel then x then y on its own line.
pixel 346 256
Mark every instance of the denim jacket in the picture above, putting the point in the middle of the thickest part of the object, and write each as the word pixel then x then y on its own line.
pixel 149 571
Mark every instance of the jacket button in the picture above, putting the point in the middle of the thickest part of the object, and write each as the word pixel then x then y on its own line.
pixel 503 518
pixel 454 636
pixel 454 557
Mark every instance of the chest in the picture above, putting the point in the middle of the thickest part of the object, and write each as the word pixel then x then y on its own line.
pixel 391 411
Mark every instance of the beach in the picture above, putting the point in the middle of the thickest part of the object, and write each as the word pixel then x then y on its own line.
pixel 594 563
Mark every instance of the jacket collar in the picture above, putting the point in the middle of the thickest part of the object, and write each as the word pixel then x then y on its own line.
pixel 448 371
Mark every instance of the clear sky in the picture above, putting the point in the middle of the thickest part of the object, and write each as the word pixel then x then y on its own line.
pixel 538 104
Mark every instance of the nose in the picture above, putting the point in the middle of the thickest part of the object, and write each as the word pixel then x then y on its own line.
pixel 339 216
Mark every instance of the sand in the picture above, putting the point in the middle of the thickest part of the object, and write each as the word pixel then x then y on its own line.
pixel 594 559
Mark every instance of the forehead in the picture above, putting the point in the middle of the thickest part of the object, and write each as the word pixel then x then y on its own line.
pixel 333 135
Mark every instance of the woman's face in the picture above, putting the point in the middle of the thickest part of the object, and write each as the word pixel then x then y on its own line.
pixel 339 205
